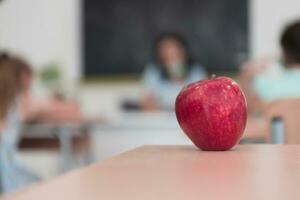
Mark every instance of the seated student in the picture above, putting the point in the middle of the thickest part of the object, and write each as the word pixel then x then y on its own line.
pixel 35 109
pixel 286 83
pixel 13 174
pixel 271 81
pixel 171 69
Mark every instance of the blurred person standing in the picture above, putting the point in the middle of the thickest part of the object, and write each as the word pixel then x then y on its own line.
pixel 13 174
pixel 171 69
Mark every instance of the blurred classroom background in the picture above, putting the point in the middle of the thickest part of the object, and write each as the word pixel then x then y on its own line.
pixel 109 71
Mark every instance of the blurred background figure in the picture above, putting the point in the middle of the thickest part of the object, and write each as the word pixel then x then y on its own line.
pixel 267 81
pixel 171 69
pixel 37 109
pixel 13 174
pixel 20 107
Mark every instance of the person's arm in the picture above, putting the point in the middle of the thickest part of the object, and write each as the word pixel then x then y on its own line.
pixel 49 110
pixel 247 75
pixel 63 111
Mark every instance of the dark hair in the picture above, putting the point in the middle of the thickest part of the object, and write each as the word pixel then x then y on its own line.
pixel 181 41
pixel 9 84
pixel 21 65
pixel 290 43
pixel 4 55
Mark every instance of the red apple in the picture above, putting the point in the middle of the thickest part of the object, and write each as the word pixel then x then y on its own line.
pixel 212 113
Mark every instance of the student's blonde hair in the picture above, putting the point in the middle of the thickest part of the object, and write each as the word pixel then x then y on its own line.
pixel 9 84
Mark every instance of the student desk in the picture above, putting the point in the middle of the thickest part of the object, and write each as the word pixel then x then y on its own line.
pixel 72 138
pixel 131 130
pixel 181 173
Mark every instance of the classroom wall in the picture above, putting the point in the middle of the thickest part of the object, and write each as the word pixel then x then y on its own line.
pixel 268 18
pixel 49 30
pixel 43 31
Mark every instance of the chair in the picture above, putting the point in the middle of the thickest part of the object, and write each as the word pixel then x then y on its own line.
pixel 289 111
pixel 256 130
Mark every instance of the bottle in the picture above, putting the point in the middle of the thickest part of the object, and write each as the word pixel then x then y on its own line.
pixel 277 131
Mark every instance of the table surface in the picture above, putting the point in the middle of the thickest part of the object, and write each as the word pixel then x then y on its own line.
pixel 181 172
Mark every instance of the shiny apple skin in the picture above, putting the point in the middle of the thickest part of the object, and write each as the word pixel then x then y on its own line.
pixel 212 113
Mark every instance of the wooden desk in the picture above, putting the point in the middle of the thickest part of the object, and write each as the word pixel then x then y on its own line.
pixel 181 172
